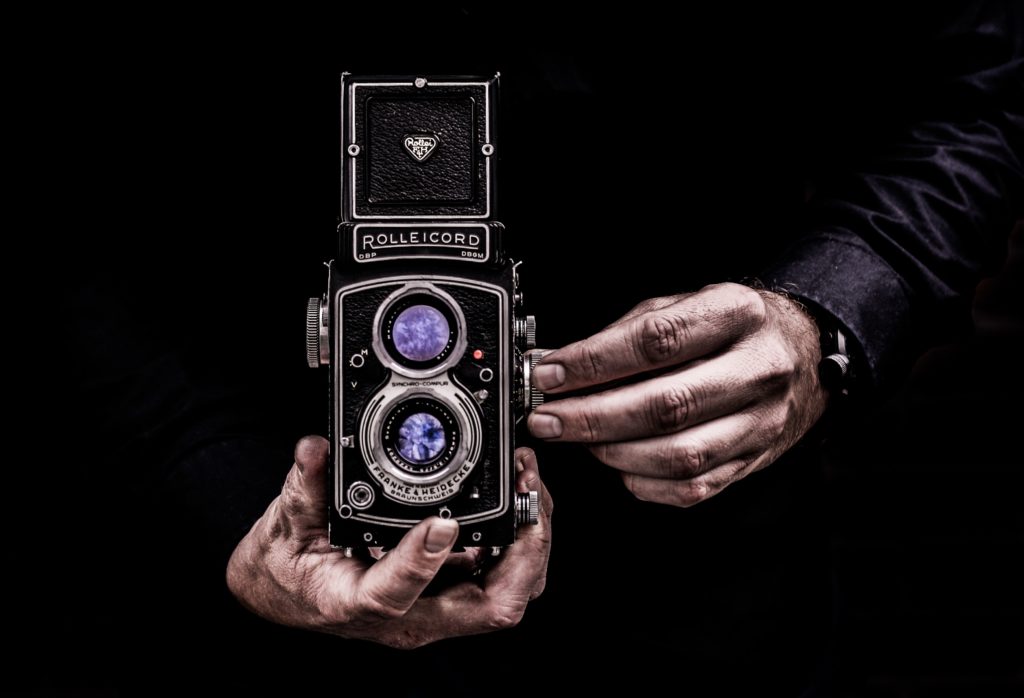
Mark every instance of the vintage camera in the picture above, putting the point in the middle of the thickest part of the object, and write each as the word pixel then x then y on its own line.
pixel 422 324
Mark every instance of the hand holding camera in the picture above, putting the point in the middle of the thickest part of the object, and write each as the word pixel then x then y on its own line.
pixel 286 571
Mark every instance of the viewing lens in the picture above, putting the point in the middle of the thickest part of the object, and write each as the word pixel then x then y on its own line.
pixel 420 333
pixel 421 437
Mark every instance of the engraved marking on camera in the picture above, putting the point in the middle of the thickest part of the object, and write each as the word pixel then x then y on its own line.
pixel 403 238
pixel 376 241
pixel 420 145
pixel 421 446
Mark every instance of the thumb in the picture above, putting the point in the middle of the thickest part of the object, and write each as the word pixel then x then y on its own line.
pixel 304 495
pixel 397 580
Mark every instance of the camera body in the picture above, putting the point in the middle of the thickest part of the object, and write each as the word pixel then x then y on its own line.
pixel 422 324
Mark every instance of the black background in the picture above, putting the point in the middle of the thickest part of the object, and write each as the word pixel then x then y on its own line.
pixel 194 190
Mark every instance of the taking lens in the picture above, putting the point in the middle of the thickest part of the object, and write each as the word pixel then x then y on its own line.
pixel 420 435
pixel 421 438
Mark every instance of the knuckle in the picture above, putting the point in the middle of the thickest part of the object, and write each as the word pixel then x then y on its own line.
pixel 692 492
pixel 673 407
pixel 590 362
pixel 662 336
pixel 685 461
pixel 589 424
pixel 631 482
pixel 750 305
pixel 406 640
pixel 505 617
pixel 293 499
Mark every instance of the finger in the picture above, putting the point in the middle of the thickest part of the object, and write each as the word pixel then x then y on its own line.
pixel 685 454
pixel 521 574
pixel 526 469
pixel 686 493
pixel 660 405
pixel 690 328
pixel 468 559
pixel 649 305
pixel 390 587
pixel 469 609
pixel 304 495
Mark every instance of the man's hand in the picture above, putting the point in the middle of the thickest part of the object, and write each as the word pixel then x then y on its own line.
pixel 726 380
pixel 285 570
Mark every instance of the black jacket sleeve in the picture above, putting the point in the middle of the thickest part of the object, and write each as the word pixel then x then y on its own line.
pixel 893 245
pixel 177 455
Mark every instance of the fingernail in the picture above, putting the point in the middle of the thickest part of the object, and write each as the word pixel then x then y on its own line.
pixel 548 376
pixel 440 535
pixel 545 426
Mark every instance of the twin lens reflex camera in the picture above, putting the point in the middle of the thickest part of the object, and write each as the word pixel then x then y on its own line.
pixel 422 324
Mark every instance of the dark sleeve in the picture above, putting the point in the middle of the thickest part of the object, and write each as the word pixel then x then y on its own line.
pixel 894 245
pixel 182 454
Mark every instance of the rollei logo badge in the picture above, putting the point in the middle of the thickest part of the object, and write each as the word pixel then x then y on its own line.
pixel 420 145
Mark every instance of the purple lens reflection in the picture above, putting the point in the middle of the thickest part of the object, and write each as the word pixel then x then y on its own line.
pixel 421 438
pixel 420 332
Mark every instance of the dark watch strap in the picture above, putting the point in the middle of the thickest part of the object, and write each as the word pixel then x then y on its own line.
pixel 836 368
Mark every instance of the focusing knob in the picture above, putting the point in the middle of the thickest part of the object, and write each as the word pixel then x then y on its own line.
pixel 317 350
pixel 531 332
pixel 527 508
pixel 532 398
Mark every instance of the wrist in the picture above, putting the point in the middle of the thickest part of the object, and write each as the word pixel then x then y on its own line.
pixel 836 356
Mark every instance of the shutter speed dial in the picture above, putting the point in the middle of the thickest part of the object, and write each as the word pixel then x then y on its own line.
pixel 526 332
pixel 318 351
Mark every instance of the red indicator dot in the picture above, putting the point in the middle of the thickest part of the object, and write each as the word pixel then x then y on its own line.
pixel 477 354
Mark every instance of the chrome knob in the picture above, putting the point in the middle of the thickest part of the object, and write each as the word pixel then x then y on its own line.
pixel 531 331
pixel 532 398
pixel 526 332
pixel 527 508
pixel 318 351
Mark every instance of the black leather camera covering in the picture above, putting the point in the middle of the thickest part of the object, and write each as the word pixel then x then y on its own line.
pixel 383 179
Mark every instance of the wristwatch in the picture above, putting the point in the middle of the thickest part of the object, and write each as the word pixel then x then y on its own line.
pixel 836 370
